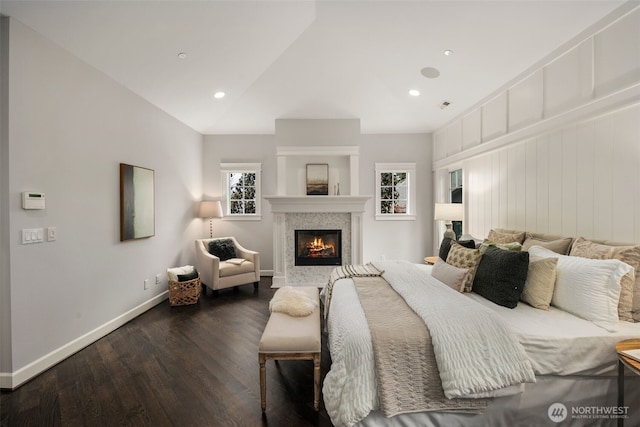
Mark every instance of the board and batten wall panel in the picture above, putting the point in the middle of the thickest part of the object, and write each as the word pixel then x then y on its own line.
pixel 558 149
pixel 471 129
pixel 525 101
pixel 581 180
pixel 454 138
pixel 494 117
pixel 617 55
pixel 439 145
pixel 568 81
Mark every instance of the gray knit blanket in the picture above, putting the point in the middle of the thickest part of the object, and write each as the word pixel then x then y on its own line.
pixel 345 272
pixel 405 364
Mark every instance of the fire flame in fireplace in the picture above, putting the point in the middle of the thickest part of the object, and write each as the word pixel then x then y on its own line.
pixel 316 248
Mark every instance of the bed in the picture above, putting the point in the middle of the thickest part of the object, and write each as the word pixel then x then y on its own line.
pixel 573 362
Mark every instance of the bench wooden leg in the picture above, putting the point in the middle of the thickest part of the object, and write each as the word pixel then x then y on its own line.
pixel 263 382
pixel 316 381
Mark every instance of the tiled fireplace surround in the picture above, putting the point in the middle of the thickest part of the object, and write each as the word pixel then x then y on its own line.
pixel 313 212
pixel 296 211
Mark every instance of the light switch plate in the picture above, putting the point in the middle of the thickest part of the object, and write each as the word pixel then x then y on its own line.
pixel 32 235
pixel 51 234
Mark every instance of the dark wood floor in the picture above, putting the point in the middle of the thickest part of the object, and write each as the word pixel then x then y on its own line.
pixel 174 366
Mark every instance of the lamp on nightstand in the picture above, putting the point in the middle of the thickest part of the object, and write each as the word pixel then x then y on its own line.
pixel 448 212
pixel 210 209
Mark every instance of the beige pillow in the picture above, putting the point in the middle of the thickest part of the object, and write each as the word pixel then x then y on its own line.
pixel 541 279
pixel 560 246
pixel 500 237
pixel 449 275
pixel 629 303
pixel 462 257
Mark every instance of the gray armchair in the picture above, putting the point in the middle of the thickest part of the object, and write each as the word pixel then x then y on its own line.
pixel 218 274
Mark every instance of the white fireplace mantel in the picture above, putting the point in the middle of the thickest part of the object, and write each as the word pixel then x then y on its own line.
pixel 282 206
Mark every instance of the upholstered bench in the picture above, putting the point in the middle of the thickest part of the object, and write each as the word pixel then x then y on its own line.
pixel 292 338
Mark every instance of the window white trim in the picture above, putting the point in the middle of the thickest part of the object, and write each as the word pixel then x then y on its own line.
pixel 408 168
pixel 226 169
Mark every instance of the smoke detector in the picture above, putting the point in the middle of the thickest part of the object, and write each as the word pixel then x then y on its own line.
pixel 444 104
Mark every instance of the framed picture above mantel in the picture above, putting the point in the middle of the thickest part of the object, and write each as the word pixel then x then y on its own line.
pixel 317 179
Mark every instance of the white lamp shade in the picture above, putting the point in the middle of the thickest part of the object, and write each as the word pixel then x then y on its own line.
pixel 210 209
pixel 448 212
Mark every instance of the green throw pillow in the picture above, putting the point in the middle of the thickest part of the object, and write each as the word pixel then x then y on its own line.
pixel 501 276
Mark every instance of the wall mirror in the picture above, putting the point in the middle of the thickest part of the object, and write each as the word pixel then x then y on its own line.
pixel 137 212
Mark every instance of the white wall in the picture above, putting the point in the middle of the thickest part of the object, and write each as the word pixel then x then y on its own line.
pixel 5 291
pixel 409 240
pixel 69 128
pixel 254 235
pixel 557 149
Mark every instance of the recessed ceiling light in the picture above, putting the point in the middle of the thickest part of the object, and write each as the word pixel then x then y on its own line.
pixel 219 95
pixel 430 72
pixel 414 92
pixel 182 55
pixel 448 52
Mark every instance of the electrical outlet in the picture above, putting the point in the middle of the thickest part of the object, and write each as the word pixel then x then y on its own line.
pixel 146 284
pixel 383 257
pixel 158 279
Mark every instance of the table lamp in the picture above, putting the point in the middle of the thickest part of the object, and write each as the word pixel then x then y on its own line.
pixel 448 212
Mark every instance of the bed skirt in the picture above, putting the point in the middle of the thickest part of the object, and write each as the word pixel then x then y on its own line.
pixel 589 401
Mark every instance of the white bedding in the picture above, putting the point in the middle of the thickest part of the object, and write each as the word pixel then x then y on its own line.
pixel 556 342
pixel 559 343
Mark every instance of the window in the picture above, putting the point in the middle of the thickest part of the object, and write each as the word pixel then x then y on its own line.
pixel 456 197
pixel 395 191
pixel 241 190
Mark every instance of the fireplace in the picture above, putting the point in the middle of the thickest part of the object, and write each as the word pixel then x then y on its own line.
pixel 318 247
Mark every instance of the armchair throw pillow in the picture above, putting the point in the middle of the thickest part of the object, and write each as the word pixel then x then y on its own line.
pixel 222 248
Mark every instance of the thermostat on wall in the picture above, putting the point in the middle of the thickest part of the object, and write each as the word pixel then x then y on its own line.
pixel 32 200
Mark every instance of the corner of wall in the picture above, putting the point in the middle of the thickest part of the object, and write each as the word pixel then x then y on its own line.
pixel 5 277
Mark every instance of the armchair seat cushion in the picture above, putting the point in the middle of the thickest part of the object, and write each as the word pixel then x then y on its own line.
pixel 229 269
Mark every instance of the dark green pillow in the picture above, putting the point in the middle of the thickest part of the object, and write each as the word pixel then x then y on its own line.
pixel 445 246
pixel 223 249
pixel 188 276
pixel 501 275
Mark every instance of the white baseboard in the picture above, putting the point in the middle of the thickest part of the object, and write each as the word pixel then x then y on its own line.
pixel 15 379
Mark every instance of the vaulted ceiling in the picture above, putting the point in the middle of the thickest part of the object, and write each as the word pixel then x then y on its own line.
pixel 310 59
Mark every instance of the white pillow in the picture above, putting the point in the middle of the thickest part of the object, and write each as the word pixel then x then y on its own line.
pixel 449 275
pixel 588 288
pixel 172 273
